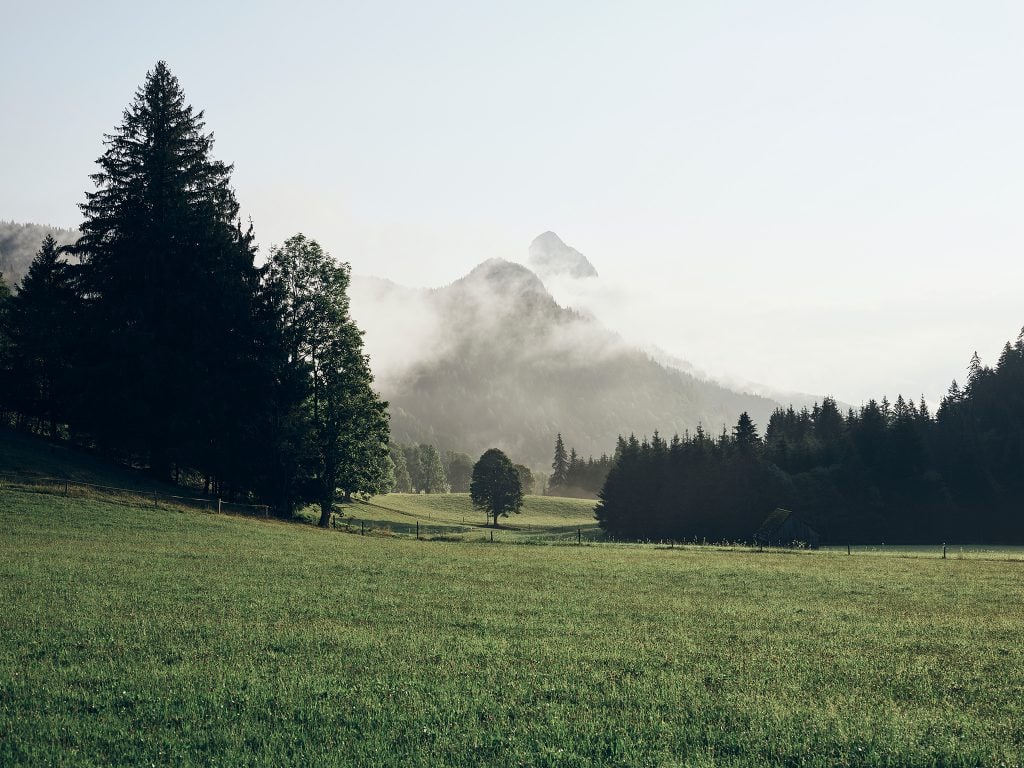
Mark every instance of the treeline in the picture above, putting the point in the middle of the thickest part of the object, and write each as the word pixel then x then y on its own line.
pixel 154 336
pixel 574 476
pixel 887 472
pixel 423 469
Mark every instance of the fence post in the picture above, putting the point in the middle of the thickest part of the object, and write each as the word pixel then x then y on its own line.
pixel 943 551
pixel 219 507
pixel 579 537
pixel 65 487
pixel 362 528
pixel 417 530
pixel 847 549
pixel 492 537
pixel 155 504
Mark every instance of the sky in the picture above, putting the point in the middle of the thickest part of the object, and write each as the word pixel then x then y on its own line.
pixel 819 197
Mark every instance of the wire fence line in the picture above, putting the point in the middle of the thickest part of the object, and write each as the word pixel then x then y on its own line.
pixel 586 536
pixel 436 530
pixel 69 487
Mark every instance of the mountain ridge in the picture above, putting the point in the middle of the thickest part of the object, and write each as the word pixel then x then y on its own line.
pixel 507 366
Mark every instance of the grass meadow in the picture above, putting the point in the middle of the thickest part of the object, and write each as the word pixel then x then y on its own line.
pixel 137 636
pixel 451 517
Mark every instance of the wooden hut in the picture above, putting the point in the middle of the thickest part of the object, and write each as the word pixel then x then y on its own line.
pixel 783 528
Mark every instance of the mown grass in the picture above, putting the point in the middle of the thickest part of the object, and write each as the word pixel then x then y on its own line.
pixel 452 516
pixel 138 637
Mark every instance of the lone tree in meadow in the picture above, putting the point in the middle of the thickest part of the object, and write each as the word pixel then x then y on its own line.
pixel 495 487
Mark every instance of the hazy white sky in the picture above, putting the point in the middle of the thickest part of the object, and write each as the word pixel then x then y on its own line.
pixel 818 196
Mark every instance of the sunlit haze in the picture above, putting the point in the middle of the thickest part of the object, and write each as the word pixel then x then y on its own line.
pixel 817 197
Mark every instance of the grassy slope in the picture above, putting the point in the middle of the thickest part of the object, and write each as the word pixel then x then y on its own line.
pixel 134 636
pixel 22 455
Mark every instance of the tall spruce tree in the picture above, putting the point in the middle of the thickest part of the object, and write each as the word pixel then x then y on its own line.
pixel 560 464
pixel 170 285
pixel 745 433
pixel 42 336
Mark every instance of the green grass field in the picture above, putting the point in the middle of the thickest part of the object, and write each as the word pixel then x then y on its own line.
pixel 543 519
pixel 134 636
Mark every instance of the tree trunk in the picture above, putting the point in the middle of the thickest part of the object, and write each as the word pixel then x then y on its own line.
pixel 348 497
pixel 325 514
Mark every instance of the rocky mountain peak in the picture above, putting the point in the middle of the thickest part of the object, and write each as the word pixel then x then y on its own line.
pixel 550 256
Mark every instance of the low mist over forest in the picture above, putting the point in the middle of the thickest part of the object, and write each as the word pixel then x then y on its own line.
pixel 494 360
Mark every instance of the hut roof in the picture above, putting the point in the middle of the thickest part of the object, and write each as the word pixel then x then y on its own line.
pixel 774 522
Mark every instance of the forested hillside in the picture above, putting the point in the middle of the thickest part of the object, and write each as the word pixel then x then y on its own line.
pixel 504 365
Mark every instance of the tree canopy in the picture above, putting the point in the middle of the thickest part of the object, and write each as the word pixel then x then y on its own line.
pixel 495 487
pixel 168 288
pixel 341 420
pixel 166 347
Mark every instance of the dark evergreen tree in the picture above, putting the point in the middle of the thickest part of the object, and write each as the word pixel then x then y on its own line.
pixel 170 289
pixel 495 487
pixel 745 434
pixel 560 464
pixel 43 338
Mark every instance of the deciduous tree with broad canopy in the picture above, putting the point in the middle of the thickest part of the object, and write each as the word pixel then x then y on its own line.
pixel 341 423
pixel 495 487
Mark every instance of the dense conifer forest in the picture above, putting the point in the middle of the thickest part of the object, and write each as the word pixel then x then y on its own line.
pixel 887 472
pixel 572 475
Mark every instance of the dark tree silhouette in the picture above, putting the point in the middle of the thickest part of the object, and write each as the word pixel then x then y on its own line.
pixel 560 464
pixel 340 424
pixel 43 331
pixel 170 288
pixel 495 487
